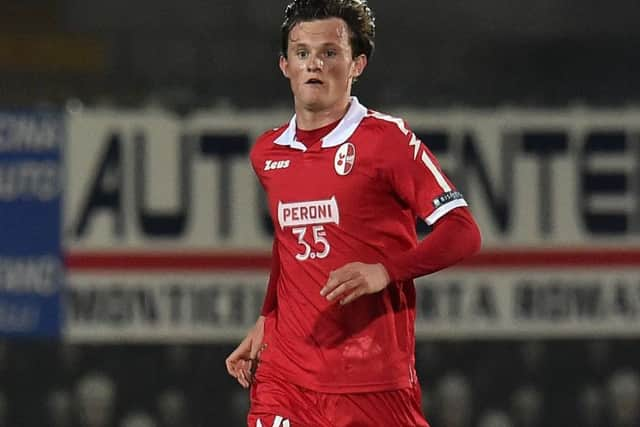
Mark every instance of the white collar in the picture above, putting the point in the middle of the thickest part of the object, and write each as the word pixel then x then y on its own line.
pixel 337 136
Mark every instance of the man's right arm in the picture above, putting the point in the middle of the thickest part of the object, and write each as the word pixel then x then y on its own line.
pixel 256 157
pixel 270 298
pixel 241 363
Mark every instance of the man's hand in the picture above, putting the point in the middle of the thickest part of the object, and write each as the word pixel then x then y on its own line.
pixel 353 280
pixel 242 362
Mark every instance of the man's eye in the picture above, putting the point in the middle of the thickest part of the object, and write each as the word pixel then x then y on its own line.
pixel 302 54
pixel 331 53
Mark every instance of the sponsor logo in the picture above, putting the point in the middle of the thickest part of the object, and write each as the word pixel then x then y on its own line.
pixel 447 197
pixel 308 213
pixel 276 164
pixel 345 158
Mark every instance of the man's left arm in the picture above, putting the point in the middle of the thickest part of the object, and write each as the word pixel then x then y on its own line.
pixel 453 238
pixel 414 174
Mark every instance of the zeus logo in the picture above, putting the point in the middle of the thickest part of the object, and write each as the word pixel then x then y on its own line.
pixel 276 164
pixel 278 421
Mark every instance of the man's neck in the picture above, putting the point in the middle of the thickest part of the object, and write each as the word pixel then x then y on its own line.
pixel 310 120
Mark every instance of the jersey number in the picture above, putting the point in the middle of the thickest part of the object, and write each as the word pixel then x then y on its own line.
pixel 319 240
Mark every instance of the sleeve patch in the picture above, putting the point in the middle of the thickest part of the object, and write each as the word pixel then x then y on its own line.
pixel 447 197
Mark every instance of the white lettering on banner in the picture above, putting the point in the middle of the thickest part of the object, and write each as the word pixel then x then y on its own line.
pixel 163 307
pixel 308 213
pixel 450 304
pixel 517 303
pixel 29 180
pixel 29 275
pixel 24 133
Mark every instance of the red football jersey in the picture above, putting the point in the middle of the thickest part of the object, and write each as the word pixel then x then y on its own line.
pixel 353 197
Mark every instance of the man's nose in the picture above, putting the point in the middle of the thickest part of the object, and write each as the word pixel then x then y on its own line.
pixel 315 63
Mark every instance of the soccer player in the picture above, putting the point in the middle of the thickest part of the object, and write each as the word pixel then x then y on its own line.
pixel 335 344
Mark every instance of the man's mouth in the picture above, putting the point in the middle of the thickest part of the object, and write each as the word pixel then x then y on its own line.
pixel 314 82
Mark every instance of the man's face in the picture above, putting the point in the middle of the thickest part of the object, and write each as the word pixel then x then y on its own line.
pixel 320 64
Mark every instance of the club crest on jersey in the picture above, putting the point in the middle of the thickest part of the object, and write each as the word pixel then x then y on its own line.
pixel 345 158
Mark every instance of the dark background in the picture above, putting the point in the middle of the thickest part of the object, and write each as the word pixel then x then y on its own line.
pixel 192 54
pixel 429 53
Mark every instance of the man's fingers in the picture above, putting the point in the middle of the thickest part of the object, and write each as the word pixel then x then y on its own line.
pixel 238 372
pixel 231 365
pixel 256 344
pixel 337 277
pixel 242 379
pixel 241 351
pixel 234 358
pixel 235 367
pixel 334 280
pixel 243 374
pixel 242 362
pixel 352 296
pixel 347 286
pixel 235 361
pixel 236 355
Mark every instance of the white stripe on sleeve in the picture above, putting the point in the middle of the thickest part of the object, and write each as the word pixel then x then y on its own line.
pixel 436 173
pixel 442 210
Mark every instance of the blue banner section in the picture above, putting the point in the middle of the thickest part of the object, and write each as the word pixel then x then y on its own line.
pixel 30 248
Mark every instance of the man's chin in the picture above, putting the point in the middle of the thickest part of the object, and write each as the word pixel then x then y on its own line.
pixel 314 104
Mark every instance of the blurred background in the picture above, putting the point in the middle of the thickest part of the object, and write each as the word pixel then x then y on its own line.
pixel 134 240
pixel 199 53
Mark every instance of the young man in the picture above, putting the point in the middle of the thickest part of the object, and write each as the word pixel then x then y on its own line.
pixel 335 340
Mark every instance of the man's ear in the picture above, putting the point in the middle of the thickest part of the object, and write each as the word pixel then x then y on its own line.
pixel 283 65
pixel 360 63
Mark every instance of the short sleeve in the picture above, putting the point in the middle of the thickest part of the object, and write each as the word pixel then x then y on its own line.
pixel 414 174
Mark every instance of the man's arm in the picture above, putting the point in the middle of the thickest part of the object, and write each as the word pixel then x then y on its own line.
pixel 241 363
pixel 270 298
pixel 454 237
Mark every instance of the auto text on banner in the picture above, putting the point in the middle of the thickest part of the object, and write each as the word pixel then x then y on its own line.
pixel 31 273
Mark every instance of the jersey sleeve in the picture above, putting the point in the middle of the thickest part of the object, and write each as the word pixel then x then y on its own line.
pixel 256 157
pixel 416 177
pixel 454 238
pixel 271 296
